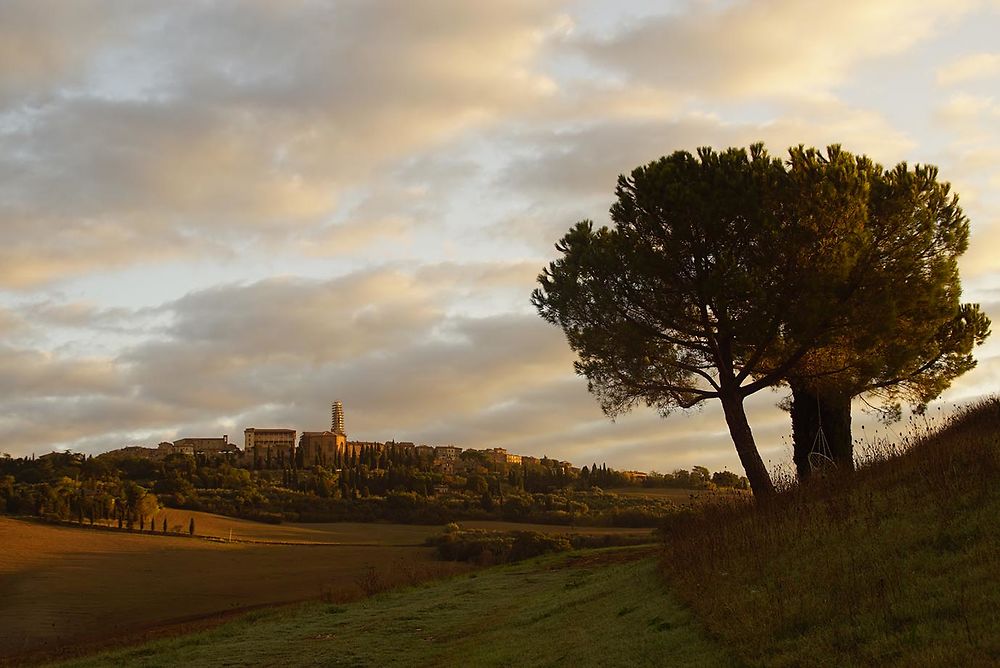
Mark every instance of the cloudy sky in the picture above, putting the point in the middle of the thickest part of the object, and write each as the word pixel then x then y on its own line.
pixel 217 215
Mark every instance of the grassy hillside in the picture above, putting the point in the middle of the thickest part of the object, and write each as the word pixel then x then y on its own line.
pixel 896 565
pixel 602 608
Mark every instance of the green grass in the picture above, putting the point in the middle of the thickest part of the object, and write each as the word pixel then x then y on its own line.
pixel 897 565
pixel 585 609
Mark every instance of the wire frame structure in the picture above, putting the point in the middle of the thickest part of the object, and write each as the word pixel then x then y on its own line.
pixel 820 457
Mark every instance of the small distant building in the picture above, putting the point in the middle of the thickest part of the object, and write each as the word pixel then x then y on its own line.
pixel 526 460
pixel 355 447
pixel 635 476
pixel 399 447
pixel 271 448
pixel 447 453
pixel 167 448
pixel 496 456
pixel 139 451
pixel 320 448
pixel 208 445
pixel 424 451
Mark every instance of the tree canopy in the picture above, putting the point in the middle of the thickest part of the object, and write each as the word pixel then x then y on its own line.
pixel 728 272
pixel 907 336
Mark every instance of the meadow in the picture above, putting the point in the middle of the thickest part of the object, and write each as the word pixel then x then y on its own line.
pixel 564 610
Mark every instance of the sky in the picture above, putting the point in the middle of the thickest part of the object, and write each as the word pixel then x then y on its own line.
pixel 221 215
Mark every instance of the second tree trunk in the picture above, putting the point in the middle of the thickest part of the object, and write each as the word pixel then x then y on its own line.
pixel 807 408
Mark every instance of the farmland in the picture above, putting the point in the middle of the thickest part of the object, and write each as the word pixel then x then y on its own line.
pixel 62 586
pixel 351 533
pixel 573 609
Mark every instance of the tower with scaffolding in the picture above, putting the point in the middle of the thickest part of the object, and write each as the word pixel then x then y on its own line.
pixel 337 418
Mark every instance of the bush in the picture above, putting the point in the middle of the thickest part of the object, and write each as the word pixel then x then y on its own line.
pixel 495 547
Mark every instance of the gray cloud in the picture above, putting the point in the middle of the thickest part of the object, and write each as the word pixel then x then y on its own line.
pixel 33 373
pixel 209 122
pixel 278 351
pixel 44 43
pixel 587 161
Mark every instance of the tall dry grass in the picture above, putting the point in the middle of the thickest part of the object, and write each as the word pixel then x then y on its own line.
pixel 897 563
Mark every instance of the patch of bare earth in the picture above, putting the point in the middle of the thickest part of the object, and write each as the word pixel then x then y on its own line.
pixel 65 587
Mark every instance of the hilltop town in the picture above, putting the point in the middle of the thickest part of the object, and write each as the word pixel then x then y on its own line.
pixel 322 476
pixel 278 448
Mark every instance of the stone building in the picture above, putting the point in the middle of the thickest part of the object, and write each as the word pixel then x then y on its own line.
pixel 167 448
pixel 447 453
pixel 271 448
pixel 320 448
pixel 209 445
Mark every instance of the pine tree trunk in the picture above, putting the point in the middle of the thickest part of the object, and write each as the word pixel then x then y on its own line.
pixel 807 408
pixel 746 448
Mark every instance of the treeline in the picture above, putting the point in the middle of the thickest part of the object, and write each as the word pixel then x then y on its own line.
pixel 698 477
pixel 68 487
pixel 500 547
pixel 392 486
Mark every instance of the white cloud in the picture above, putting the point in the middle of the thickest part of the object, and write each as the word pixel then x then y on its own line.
pixel 968 68
pixel 588 160
pixel 775 47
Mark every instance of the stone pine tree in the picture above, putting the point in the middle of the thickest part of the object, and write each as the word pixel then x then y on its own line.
pixel 722 272
pixel 704 287
pixel 906 336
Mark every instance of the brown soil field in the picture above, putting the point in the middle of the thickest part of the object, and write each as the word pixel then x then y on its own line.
pixel 63 586
pixel 351 533
pixel 66 586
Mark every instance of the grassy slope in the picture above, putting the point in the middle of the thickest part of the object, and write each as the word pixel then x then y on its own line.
pixel 897 565
pixel 586 609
